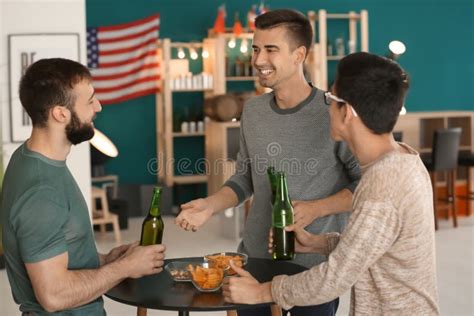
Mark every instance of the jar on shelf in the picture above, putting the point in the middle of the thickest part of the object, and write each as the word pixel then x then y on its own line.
pixel 352 46
pixel 200 126
pixel 330 51
pixel 184 127
pixel 229 67
pixel 247 67
pixel 340 49
pixel 192 127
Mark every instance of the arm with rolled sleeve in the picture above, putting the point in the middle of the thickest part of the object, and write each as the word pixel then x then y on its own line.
pixel 371 231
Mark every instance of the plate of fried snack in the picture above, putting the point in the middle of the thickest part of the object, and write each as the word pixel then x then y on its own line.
pixel 205 278
pixel 221 260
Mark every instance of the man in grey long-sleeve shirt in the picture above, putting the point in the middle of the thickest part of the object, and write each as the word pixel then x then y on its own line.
pixel 297 141
pixel 289 129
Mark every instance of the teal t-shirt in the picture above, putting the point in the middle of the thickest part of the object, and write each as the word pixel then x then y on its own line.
pixel 44 214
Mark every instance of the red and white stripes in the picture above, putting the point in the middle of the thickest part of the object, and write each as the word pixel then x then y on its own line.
pixel 126 60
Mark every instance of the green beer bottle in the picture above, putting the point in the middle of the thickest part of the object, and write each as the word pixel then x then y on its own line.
pixel 272 176
pixel 153 226
pixel 282 215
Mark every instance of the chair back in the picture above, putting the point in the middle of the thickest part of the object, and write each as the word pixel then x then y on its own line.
pixel 101 195
pixel 446 149
pixel 466 159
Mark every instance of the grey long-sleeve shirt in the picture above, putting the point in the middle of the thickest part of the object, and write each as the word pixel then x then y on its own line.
pixel 296 141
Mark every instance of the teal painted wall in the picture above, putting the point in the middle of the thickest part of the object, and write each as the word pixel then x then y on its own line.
pixel 439 59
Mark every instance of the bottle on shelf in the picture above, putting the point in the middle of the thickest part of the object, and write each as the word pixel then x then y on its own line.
pixel 153 226
pixel 282 216
pixel 192 81
pixel 247 66
pixel 192 127
pixel 340 49
pixel 239 67
pixel 329 49
pixel 229 67
pixel 352 46
pixel 200 127
pixel 177 118
pixel 189 81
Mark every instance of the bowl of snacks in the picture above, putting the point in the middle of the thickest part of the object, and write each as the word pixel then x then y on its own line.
pixel 179 271
pixel 221 260
pixel 205 278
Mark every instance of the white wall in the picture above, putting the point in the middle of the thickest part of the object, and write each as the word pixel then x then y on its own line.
pixel 42 16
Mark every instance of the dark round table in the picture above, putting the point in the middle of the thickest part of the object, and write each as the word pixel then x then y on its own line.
pixel 159 291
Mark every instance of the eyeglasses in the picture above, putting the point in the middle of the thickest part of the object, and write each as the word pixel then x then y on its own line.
pixel 328 97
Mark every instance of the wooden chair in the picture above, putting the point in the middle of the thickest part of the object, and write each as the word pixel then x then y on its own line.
pixel 101 216
pixel 467 160
pixel 107 182
pixel 444 158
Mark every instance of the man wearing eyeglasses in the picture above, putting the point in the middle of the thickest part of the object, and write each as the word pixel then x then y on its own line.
pixel 289 129
pixel 386 254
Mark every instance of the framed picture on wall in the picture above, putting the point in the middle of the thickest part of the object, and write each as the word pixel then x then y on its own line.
pixel 25 49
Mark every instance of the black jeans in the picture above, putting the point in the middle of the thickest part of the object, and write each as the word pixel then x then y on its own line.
pixel 326 309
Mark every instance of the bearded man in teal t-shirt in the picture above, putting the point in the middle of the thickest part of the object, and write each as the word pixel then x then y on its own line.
pixel 52 262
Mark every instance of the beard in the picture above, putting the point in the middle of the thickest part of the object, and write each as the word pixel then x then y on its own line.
pixel 77 132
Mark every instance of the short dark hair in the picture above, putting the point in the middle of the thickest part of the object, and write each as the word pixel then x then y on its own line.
pixel 296 24
pixel 47 83
pixel 375 86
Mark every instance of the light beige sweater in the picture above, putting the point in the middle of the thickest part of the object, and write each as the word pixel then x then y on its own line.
pixel 386 254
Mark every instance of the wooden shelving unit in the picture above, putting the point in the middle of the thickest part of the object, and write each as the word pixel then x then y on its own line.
pixel 334 58
pixel 164 109
pixel 220 134
pixel 240 78
pixel 418 129
pixel 318 58
pixel 188 134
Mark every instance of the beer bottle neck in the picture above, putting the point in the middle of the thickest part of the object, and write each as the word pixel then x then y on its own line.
pixel 155 204
pixel 272 177
pixel 282 189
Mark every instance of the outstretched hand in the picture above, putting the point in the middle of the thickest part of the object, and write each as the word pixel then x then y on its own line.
pixel 194 214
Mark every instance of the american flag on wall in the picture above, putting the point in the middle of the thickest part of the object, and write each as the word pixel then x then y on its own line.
pixel 123 59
